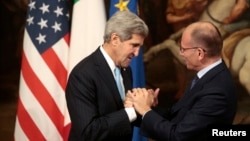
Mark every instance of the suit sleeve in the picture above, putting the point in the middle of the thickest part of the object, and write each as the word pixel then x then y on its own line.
pixel 208 109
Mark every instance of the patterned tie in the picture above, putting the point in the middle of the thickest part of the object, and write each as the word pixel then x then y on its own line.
pixel 195 79
pixel 118 82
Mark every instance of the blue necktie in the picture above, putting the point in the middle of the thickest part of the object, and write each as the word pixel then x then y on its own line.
pixel 195 79
pixel 118 82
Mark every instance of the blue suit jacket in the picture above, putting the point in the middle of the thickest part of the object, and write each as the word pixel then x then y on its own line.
pixel 211 101
pixel 95 107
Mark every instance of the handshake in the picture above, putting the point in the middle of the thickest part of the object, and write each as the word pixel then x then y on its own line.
pixel 141 99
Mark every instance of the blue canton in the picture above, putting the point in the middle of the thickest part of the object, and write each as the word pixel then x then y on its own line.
pixel 47 22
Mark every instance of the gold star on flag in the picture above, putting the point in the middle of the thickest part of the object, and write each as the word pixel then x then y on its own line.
pixel 122 5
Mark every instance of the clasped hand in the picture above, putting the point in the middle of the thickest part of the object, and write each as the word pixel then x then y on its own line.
pixel 141 99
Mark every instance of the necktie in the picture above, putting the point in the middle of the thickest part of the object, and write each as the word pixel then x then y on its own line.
pixel 118 82
pixel 195 79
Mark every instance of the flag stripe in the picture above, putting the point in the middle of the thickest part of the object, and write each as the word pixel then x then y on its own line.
pixel 45 99
pixel 66 131
pixel 56 66
pixel 45 75
pixel 18 131
pixel 75 1
pixel 67 38
pixel 33 106
pixel 28 126
pixel 61 49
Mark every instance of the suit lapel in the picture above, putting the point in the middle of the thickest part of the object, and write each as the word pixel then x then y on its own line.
pixel 106 75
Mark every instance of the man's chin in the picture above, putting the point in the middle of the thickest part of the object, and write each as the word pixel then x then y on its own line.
pixel 125 65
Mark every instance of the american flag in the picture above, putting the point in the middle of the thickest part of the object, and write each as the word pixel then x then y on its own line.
pixel 42 112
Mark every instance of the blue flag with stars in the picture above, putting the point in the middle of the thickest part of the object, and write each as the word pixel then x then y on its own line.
pixel 137 62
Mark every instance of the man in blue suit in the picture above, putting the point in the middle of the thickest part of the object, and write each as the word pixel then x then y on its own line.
pixel 211 100
pixel 93 98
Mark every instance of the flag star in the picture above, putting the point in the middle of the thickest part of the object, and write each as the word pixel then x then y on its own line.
pixel 32 5
pixel 57 27
pixel 43 23
pixel 41 38
pixel 58 11
pixel 67 15
pixel 30 20
pixel 122 5
pixel 44 8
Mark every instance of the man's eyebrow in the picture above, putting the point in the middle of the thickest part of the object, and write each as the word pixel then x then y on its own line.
pixel 135 43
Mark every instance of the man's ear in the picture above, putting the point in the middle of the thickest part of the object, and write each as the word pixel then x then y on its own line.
pixel 115 39
pixel 201 53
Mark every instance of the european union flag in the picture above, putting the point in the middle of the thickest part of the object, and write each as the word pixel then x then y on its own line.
pixel 137 62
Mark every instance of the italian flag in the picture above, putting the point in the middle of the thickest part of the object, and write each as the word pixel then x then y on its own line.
pixel 87 29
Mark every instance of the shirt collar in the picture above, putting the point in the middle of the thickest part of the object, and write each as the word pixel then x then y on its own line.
pixel 108 59
pixel 206 69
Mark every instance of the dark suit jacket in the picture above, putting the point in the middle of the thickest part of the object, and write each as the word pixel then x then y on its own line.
pixel 211 101
pixel 95 107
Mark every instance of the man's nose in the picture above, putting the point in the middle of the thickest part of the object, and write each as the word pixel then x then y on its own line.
pixel 136 51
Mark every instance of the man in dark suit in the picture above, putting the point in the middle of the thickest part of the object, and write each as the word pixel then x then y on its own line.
pixel 93 99
pixel 211 100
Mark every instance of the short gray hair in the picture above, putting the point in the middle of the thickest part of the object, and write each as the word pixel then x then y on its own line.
pixel 124 24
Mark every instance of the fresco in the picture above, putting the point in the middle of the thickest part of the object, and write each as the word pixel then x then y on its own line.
pixel 166 70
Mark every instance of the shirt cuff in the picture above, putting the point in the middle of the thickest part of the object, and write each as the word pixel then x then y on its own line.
pixel 131 114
